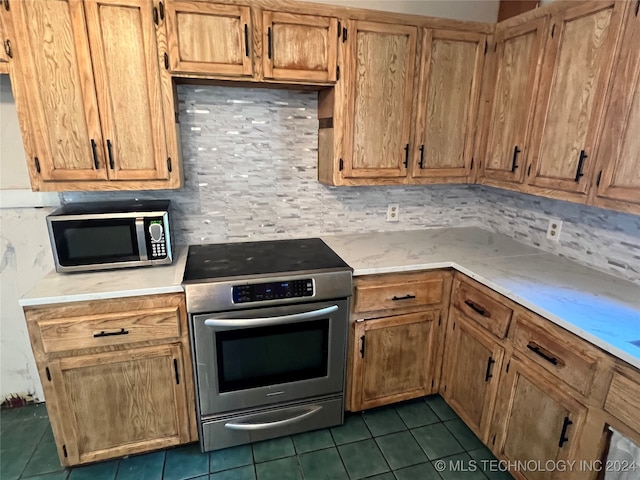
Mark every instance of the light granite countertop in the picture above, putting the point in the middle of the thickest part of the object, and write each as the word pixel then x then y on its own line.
pixel 598 307
pixel 126 282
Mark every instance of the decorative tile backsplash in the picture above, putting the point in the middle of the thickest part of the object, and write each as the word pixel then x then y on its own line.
pixel 250 162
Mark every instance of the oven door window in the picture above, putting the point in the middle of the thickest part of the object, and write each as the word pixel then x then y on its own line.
pixel 91 242
pixel 258 357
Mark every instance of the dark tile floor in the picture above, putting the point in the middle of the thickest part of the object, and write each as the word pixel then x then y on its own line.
pixel 405 441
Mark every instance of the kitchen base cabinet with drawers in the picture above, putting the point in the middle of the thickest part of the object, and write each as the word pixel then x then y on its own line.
pixel 116 374
pixel 396 337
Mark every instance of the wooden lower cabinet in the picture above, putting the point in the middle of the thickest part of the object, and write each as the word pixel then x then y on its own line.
pixel 535 421
pixel 119 403
pixel 116 374
pixel 393 358
pixel 471 371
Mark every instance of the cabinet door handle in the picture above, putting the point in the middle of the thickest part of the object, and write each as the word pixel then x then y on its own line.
pixel 362 346
pixel 538 350
pixel 110 151
pixel 246 40
pixel 421 156
pixel 514 164
pixel 406 156
pixel 175 369
pixel 406 297
pixel 269 43
pixel 122 331
pixel 563 435
pixel 7 48
pixel 488 375
pixel 94 150
pixel 583 157
pixel 476 308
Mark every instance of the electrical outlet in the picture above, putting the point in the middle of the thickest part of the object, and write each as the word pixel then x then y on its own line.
pixel 554 229
pixel 393 211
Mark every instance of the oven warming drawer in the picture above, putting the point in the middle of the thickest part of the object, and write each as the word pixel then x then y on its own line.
pixel 239 429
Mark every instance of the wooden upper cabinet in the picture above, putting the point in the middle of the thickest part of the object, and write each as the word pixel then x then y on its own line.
pixel 448 103
pixel 207 38
pixel 379 81
pixel 572 91
pixel 58 86
pixel 91 97
pixel 125 61
pixel 299 47
pixel 618 178
pixel 5 48
pixel 518 55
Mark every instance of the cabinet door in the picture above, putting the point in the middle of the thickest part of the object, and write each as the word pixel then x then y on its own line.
pixel 519 53
pixel 58 91
pixel 299 47
pixel 125 61
pixel 573 85
pixel 619 153
pixel 118 403
pixel 472 364
pixel 206 38
pixel 5 48
pixel 381 65
pixel 448 103
pixel 394 358
pixel 535 421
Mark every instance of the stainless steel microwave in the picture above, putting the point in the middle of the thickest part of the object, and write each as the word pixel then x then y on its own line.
pixel 105 235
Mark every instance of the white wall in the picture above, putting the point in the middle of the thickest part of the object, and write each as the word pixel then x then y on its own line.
pixel 25 255
pixel 475 10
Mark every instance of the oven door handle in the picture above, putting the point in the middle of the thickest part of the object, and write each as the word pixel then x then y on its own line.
pixel 268 321
pixel 269 425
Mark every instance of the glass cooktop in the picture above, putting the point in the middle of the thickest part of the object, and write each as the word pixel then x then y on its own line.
pixel 225 260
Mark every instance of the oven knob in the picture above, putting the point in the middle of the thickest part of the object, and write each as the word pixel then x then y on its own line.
pixel 155 230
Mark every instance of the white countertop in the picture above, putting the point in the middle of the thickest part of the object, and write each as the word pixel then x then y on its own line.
pixel 127 282
pixel 598 307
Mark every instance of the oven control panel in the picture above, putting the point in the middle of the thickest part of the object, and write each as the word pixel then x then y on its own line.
pixel 258 292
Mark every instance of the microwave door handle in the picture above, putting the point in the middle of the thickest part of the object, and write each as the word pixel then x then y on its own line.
pixel 268 321
pixel 142 244
pixel 270 425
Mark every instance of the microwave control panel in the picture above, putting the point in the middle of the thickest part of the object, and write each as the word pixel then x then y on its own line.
pixel 156 240
pixel 259 292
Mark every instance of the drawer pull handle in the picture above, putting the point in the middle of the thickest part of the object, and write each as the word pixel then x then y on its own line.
pixel 406 297
pixel 489 375
pixel 563 435
pixel 111 334
pixel 476 308
pixel 538 350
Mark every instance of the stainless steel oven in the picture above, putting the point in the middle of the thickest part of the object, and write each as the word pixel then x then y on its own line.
pixel 269 349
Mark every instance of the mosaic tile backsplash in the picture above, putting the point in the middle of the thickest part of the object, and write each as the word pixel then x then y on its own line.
pixel 250 162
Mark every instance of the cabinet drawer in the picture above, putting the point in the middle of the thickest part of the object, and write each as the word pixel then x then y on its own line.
pixel 550 349
pixel 100 330
pixel 485 310
pixel 623 400
pixel 398 291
